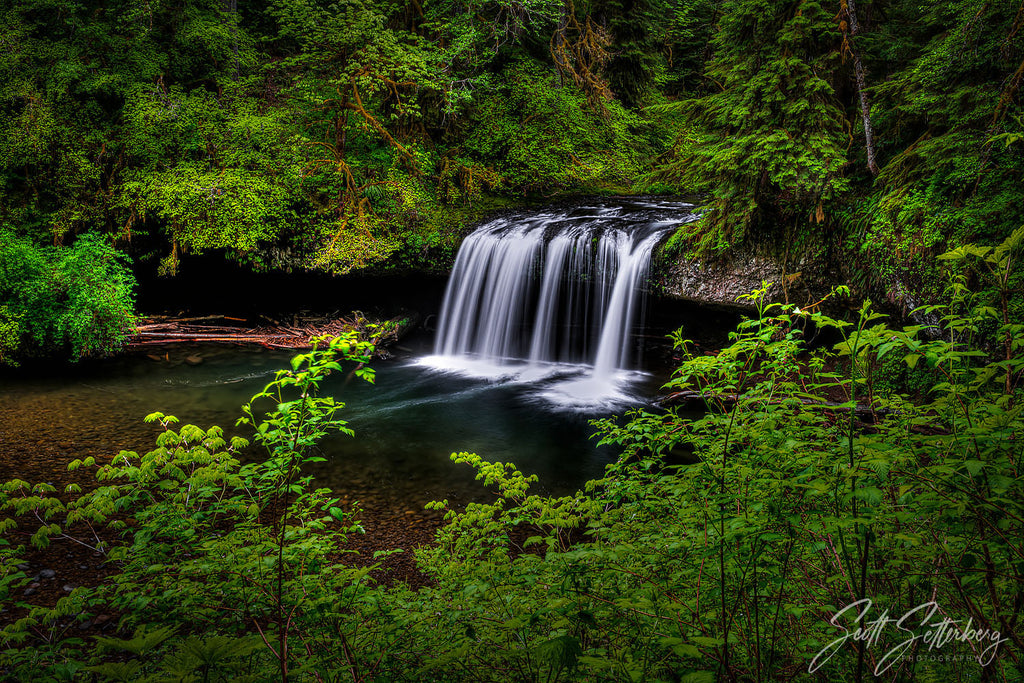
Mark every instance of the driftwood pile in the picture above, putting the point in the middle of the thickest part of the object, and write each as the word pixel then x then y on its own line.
pixel 272 334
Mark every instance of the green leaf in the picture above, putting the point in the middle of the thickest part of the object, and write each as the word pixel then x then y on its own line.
pixel 698 677
pixel 974 466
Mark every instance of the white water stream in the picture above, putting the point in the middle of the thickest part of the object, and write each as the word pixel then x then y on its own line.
pixel 554 299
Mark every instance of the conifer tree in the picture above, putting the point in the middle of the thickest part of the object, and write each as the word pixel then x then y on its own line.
pixel 770 142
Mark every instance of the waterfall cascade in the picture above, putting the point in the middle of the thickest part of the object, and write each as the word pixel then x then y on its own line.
pixel 553 295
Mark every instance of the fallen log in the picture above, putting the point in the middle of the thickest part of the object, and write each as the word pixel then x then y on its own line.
pixel 190 320
pixel 203 336
pixel 298 335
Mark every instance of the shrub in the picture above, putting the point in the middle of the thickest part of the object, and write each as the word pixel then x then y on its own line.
pixel 10 332
pixel 70 301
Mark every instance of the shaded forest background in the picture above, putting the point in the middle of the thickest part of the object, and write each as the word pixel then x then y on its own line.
pixel 346 135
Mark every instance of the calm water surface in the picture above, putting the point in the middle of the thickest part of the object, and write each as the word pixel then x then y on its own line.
pixel 406 424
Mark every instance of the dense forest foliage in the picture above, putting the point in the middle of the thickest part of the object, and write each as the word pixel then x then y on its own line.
pixel 821 526
pixel 839 474
pixel 341 135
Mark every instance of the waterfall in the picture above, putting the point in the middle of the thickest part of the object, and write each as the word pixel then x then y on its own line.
pixel 556 292
pixel 487 292
pixel 613 347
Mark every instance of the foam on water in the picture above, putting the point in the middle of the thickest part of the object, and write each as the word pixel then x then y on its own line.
pixel 553 299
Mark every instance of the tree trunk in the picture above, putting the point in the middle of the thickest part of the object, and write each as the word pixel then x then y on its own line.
pixel 850 10
pixel 231 7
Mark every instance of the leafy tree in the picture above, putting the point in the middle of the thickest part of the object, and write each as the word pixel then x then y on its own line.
pixel 543 137
pixel 68 70
pixel 74 301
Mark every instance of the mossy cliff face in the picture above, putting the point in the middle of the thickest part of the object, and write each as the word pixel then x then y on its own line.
pixel 722 280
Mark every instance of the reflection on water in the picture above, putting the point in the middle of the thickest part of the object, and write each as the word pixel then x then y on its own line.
pixel 406 425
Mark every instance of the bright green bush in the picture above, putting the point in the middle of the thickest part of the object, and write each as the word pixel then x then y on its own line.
pixel 69 302
pixel 10 332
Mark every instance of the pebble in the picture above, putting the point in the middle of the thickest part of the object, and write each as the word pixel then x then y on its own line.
pixel 24 566
pixel 47 574
pixel 68 587
pixel 85 625
pixel 29 591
